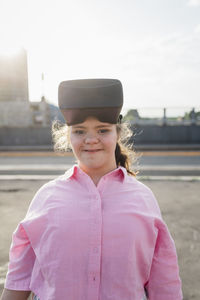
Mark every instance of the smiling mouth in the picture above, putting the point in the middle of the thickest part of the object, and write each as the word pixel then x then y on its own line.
pixel 92 151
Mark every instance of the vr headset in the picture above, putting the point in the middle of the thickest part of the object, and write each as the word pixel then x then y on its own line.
pixel 100 98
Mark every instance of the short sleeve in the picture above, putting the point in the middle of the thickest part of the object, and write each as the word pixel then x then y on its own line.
pixel 21 261
pixel 164 282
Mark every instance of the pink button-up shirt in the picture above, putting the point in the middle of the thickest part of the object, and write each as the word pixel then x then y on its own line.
pixel 79 241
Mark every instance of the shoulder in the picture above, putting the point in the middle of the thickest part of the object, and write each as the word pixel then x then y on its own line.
pixel 144 196
pixel 137 185
pixel 47 193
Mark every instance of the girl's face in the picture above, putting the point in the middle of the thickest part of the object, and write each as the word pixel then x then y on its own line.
pixel 93 143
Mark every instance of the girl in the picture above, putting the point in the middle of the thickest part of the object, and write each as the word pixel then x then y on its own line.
pixel 94 233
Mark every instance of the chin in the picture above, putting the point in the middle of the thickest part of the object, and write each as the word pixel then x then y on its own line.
pixel 94 165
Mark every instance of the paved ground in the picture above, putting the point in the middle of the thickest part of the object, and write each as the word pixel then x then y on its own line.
pixel 151 163
pixel 180 206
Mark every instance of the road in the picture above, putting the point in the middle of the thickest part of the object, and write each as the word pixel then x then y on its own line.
pixel 49 165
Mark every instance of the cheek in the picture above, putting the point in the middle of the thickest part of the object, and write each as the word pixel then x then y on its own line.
pixel 75 143
pixel 111 142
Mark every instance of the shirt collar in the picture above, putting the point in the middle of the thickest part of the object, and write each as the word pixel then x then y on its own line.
pixel 75 170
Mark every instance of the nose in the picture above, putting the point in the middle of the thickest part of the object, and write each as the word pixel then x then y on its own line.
pixel 91 139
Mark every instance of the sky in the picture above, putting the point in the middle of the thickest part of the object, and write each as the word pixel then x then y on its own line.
pixel 153 47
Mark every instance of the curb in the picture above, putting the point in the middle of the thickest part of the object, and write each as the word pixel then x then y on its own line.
pixel 140 178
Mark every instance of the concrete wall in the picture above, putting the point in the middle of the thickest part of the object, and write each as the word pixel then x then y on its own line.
pixel 154 134
pixel 142 135
pixel 25 136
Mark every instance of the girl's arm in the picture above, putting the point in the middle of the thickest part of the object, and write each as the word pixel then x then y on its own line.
pixel 22 258
pixel 14 295
pixel 164 281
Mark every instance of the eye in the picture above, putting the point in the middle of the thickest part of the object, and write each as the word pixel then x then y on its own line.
pixel 78 132
pixel 101 131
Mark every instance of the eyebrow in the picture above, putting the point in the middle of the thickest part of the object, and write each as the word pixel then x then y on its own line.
pixel 99 126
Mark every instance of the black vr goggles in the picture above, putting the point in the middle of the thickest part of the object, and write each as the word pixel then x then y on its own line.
pixel 100 98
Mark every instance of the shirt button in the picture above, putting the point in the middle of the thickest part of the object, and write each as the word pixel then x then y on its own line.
pixel 95 250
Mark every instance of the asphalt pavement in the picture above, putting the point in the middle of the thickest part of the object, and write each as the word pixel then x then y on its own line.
pixel 183 165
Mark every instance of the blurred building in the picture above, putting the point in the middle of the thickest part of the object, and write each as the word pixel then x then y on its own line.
pixel 15 108
pixel 14 77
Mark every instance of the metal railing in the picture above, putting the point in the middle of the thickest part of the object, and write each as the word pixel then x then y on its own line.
pixel 186 116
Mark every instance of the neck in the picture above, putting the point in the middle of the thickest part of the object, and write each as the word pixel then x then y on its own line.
pixel 96 174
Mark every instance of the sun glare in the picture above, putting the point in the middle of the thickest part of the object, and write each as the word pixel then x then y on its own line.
pixel 9 50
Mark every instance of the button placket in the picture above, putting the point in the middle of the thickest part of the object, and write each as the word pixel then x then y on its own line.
pixel 95 247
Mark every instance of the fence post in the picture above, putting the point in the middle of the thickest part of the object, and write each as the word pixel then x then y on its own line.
pixel 164 116
pixel 193 116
